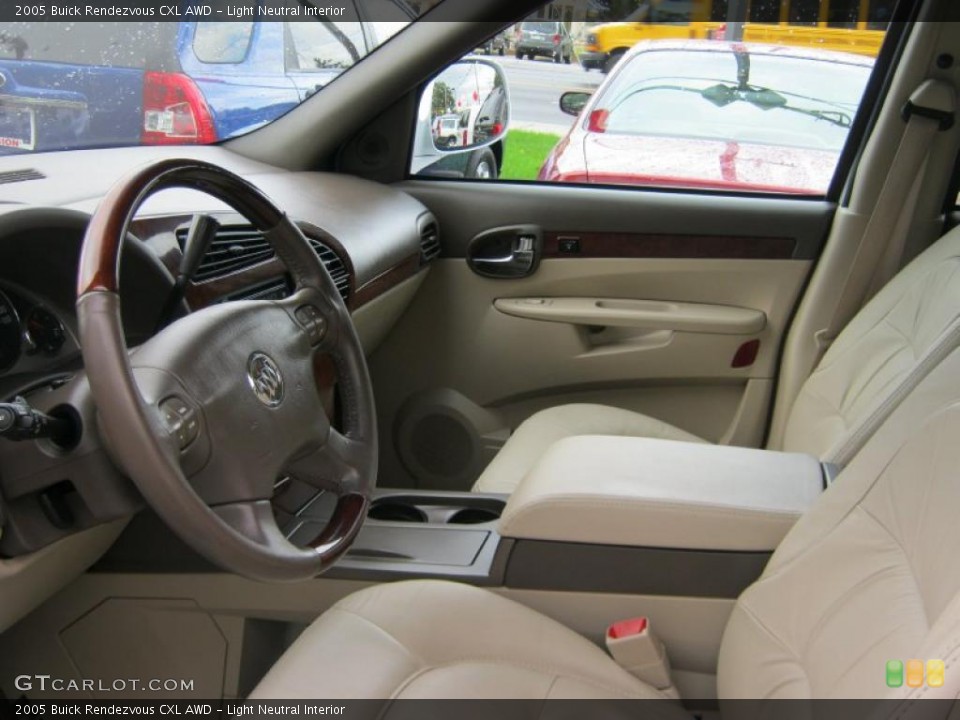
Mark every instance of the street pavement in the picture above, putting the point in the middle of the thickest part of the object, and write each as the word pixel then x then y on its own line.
pixel 535 89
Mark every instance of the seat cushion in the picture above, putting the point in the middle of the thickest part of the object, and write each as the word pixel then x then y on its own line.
pixel 441 640
pixel 526 446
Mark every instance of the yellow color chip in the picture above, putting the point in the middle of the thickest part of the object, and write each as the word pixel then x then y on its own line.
pixel 914 673
pixel 935 672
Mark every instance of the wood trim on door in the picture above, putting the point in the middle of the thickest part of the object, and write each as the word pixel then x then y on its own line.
pixel 650 245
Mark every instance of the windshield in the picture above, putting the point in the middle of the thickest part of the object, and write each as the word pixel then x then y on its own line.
pixel 73 85
pixel 763 99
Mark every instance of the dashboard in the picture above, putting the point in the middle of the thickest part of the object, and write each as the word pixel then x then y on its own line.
pixel 376 242
pixel 370 237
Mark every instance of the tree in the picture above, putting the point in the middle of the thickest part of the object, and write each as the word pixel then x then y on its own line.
pixel 444 99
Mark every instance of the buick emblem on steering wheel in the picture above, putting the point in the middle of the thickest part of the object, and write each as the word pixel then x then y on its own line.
pixel 265 379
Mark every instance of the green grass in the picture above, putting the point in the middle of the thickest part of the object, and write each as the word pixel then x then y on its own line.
pixel 524 153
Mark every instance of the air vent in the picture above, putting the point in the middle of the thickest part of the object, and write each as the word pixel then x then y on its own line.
pixel 338 271
pixel 429 241
pixel 236 247
pixel 271 290
pixel 15 176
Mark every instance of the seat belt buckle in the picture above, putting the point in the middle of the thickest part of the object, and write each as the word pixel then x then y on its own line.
pixel 635 648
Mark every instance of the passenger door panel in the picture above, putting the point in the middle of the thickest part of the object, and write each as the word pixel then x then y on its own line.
pixel 642 300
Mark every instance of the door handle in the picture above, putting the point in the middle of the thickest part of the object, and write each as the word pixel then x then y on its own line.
pixel 517 263
pixel 512 252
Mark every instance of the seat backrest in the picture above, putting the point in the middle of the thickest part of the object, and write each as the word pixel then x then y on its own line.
pixel 876 357
pixel 870 574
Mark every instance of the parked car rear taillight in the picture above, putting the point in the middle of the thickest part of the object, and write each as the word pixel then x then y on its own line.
pixel 556 39
pixel 597 121
pixel 174 111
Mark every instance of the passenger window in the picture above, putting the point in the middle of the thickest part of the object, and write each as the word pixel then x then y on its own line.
pixel 321 46
pixel 222 42
pixel 673 94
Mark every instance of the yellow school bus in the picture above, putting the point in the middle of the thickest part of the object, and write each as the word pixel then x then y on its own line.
pixel 855 26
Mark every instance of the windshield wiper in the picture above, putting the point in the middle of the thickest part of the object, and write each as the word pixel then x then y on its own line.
pixel 763 98
pixel 767 99
pixel 834 117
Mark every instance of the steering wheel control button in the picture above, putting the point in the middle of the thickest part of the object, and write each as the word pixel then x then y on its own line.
pixel 312 320
pixel 264 378
pixel 181 420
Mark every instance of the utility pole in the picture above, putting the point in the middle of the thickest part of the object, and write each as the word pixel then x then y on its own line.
pixel 736 17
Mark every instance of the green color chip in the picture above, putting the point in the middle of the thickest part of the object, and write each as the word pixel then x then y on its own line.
pixel 894 673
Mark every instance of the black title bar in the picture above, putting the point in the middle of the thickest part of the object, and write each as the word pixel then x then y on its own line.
pixel 175 10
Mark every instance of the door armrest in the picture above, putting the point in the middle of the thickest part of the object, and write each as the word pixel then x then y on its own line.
pixel 646 314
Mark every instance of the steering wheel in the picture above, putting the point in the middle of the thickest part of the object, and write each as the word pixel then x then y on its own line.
pixel 209 413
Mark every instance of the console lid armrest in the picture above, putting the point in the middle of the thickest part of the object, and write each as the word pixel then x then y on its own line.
pixel 643 492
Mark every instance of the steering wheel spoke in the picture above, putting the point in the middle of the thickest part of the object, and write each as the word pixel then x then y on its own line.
pixel 317 317
pixel 338 465
pixel 254 520
pixel 227 395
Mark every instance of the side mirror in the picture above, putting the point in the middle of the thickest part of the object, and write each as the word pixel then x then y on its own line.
pixel 469 105
pixel 573 103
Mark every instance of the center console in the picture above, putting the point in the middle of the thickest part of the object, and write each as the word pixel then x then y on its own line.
pixel 653 517
pixel 596 514
pixel 407 534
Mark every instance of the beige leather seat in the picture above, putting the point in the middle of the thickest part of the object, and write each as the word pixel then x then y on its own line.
pixel 868 575
pixel 868 368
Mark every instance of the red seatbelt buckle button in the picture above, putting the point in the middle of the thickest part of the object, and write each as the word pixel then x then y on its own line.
pixel 626 628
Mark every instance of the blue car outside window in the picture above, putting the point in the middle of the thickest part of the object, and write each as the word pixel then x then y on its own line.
pixel 222 42
pixel 72 85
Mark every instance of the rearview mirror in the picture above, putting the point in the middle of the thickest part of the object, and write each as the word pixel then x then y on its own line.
pixel 573 103
pixel 468 105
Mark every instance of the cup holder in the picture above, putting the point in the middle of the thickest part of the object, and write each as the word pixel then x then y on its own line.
pixel 396 512
pixel 436 510
pixel 473 516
